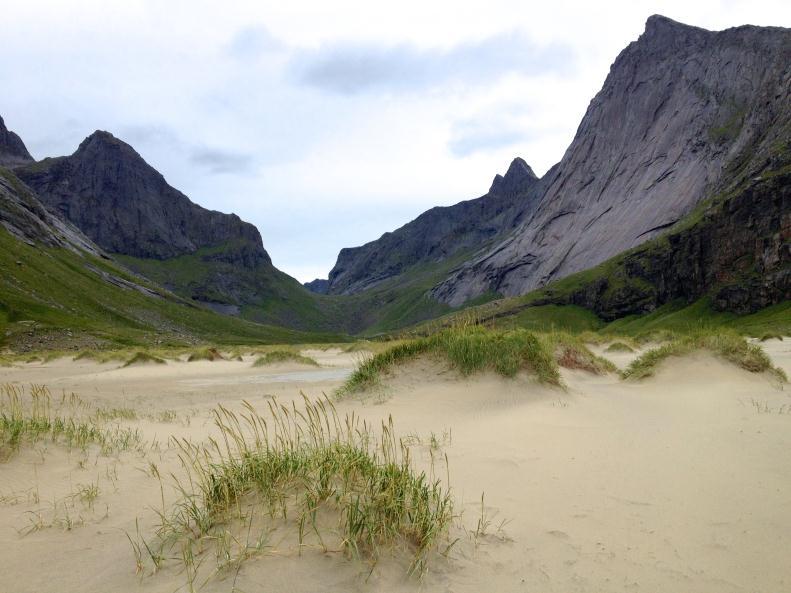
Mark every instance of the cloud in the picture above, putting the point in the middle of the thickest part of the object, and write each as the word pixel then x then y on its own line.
pixel 497 126
pixel 149 134
pixel 250 43
pixel 357 68
pixel 217 161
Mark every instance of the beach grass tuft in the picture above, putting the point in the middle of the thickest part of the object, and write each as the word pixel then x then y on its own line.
pixel 277 356
pixel 333 482
pixel 468 349
pixel 724 344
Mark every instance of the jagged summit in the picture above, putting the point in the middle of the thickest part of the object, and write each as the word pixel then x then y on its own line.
pixel 518 178
pixel 682 111
pixel 436 235
pixel 125 205
pixel 13 151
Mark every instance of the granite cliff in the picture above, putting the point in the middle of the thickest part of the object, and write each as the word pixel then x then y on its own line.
pixel 684 114
pixel 437 234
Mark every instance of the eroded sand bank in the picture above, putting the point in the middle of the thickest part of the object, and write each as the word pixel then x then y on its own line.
pixel 677 483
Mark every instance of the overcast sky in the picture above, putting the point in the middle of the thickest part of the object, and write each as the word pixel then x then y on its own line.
pixel 324 123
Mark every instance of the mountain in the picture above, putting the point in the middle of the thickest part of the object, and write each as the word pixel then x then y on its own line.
pixel 108 191
pixel 684 114
pixel 437 235
pixel 59 290
pixel 12 150
pixel 127 207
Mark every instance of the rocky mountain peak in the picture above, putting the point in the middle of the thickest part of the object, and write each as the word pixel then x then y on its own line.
pixel 682 111
pixel 12 150
pixel 517 179
pixel 125 205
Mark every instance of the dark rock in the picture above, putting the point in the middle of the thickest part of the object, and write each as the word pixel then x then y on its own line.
pixel 738 253
pixel 439 233
pixel 319 286
pixel 125 206
pixel 12 150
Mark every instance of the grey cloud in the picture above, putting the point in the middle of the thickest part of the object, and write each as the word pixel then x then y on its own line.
pixel 219 161
pixel 251 43
pixel 356 68
pixel 472 141
pixel 496 128
pixel 144 134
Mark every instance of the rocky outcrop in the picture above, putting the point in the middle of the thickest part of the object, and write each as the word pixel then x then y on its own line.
pixel 124 205
pixel 26 218
pixel 319 285
pixel 682 114
pixel 437 234
pixel 738 253
pixel 12 150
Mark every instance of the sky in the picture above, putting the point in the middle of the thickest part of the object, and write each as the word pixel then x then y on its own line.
pixel 324 123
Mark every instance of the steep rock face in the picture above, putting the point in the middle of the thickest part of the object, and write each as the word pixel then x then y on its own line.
pixel 12 150
pixel 680 114
pixel 319 285
pixel 438 233
pixel 738 253
pixel 26 218
pixel 124 205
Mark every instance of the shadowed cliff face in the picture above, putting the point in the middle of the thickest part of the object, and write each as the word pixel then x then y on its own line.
pixel 738 253
pixel 127 207
pixel 26 218
pixel 682 114
pixel 12 150
pixel 436 234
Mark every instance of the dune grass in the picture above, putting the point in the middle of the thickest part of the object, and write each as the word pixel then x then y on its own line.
pixel 571 352
pixel 211 354
pixel 331 482
pixel 143 357
pixel 469 349
pixel 31 415
pixel 619 347
pixel 727 345
pixel 277 356
pixel 771 336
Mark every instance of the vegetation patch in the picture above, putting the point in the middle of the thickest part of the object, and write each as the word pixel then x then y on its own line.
pixel 469 349
pixel 572 353
pixel 277 356
pixel 143 358
pixel 771 336
pixel 211 354
pixel 32 415
pixel 619 347
pixel 328 481
pixel 730 346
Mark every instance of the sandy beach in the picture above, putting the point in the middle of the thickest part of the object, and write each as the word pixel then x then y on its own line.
pixel 677 483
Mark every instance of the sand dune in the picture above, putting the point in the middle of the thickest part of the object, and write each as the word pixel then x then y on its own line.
pixel 677 483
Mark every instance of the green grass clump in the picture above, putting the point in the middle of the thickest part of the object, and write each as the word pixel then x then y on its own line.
pixel 284 356
pixel 205 354
pixel 143 358
pixel 468 349
pixel 771 336
pixel 619 347
pixel 572 353
pixel 29 416
pixel 730 346
pixel 330 479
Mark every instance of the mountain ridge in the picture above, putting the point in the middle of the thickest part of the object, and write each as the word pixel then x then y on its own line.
pixel 679 106
pixel 437 234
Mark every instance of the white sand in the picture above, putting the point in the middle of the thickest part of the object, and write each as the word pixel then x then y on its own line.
pixel 680 483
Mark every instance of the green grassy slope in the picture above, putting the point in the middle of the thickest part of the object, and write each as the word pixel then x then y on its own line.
pixel 66 295
pixel 273 297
